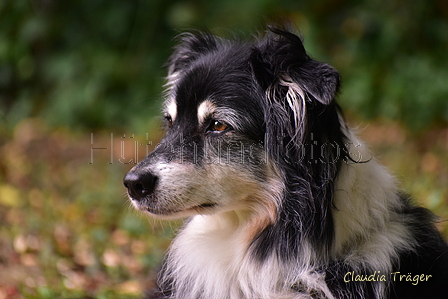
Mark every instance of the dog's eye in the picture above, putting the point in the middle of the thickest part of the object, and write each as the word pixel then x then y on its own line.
pixel 218 126
pixel 168 120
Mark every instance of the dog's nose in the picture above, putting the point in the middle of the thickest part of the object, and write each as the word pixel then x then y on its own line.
pixel 140 185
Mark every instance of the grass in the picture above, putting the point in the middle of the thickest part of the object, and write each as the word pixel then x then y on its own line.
pixel 66 227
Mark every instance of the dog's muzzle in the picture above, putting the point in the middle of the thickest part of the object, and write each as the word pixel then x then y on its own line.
pixel 140 185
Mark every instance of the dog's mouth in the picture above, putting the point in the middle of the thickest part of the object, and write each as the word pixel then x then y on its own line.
pixel 206 205
pixel 204 208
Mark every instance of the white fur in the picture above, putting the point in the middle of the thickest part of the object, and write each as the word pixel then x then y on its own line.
pixel 295 98
pixel 205 109
pixel 296 101
pixel 171 109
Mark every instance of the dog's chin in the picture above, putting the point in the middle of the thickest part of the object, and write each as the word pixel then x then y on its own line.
pixel 169 213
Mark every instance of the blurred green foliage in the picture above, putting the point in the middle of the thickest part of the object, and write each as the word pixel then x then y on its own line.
pixel 94 64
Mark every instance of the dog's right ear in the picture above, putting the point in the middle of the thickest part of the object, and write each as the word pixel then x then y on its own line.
pixel 190 47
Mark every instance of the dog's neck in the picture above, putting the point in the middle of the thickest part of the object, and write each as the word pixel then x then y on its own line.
pixel 211 259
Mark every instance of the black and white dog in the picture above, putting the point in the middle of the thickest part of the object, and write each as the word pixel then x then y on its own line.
pixel 283 200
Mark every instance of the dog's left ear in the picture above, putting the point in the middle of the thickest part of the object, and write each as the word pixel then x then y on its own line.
pixel 281 57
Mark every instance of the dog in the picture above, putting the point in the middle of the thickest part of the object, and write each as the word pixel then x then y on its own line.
pixel 282 199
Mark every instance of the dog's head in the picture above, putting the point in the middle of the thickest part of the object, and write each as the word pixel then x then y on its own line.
pixel 245 122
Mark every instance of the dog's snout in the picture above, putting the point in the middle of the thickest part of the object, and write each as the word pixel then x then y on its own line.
pixel 140 185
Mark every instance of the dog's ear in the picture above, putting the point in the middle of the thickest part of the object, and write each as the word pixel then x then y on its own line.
pixel 320 81
pixel 299 90
pixel 281 57
pixel 190 47
pixel 303 127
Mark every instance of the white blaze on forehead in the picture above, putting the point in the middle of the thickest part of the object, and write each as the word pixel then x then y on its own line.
pixel 205 109
pixel 171 109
